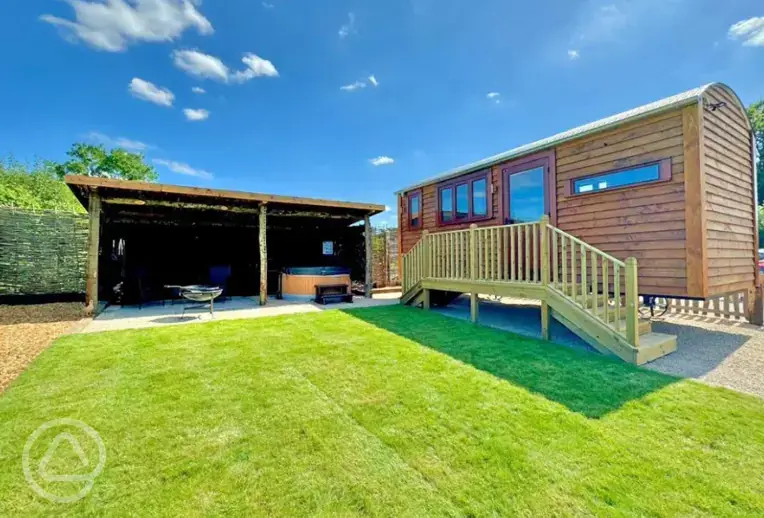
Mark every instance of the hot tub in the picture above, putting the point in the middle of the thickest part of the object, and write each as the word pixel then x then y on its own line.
pixel 299 283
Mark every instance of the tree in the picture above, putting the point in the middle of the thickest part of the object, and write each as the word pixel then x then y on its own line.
pixel 34 186
pixel 756 115
pixel 89 160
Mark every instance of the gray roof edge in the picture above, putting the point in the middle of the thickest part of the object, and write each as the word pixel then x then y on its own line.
pixel 669 103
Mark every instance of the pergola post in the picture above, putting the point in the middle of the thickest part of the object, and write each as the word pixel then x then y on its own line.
pixel 369 256
pixel 263 256
pixel 94 238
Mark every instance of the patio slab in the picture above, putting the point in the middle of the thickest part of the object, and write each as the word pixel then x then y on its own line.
pixel 115 318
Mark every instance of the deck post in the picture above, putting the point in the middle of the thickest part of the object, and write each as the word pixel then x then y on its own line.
pixel 473 273
pixel 263 255
pixel 425 254
pixel 545 267
pixel 474 307
pixel 473 252
pixel 632 302
pixel 94 238
pixel 426 298
pixel 367 233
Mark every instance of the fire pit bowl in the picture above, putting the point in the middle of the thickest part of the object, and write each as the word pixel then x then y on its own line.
pixel 204 294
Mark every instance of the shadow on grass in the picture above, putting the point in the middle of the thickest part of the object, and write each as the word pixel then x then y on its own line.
pixel 588 383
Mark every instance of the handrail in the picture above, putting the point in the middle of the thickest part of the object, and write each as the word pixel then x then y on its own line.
pixel 602 286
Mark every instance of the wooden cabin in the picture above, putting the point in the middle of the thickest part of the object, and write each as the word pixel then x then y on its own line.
pixel 669 185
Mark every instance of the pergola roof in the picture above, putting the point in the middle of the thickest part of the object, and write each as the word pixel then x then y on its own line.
pixel 154 199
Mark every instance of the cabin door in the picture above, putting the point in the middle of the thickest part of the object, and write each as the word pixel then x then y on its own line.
pixel 525 200
pixel 525 194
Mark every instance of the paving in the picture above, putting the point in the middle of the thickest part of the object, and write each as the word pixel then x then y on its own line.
pixel 159 314
pixel 711 350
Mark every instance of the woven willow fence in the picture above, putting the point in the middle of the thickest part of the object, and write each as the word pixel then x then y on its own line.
pixel 42 252
pixel 385 258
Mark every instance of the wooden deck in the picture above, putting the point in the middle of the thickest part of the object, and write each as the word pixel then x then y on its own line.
pixel 592 293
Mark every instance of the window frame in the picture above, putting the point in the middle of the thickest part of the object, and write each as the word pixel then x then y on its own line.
pixel 664 175
pixel 409 196
pixel 468 180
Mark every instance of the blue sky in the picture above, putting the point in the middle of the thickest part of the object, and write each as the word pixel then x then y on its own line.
pixel 453 81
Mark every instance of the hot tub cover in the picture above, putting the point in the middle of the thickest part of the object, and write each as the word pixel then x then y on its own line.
pixel 317 270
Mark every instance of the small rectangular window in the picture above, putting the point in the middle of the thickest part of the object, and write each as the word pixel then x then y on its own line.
pixel 623 178
pixel 462 201
pixel 446 205
pixel 415 210
pixel 479 198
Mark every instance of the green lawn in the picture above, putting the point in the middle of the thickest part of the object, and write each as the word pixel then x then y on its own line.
pixel 385 411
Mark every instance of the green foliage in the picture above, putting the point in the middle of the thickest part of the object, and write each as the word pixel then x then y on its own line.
pixel 756 115
pixel 34 186
pixel 90 160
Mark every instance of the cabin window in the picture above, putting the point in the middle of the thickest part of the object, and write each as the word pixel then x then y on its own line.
pixel 641 174
pixel 464 199
pixel 480 198
pixel 415 210
pixel 447 205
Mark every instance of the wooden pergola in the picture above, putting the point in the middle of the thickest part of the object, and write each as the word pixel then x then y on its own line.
pixel 162 204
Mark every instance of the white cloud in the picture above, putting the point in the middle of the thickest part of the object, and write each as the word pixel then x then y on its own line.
pixel 388 208
pixel 203 65
pixel 199 90
pixel 381 160
pixel 599 22
pixel 200 65
pixel 268 5
pixel 118 142
pixel 494 96
pixel 573 54
pixel 348 28
pixel 256 67
pixel 184 169
pixel 113 25
pixel 353 86
pixel 150 92
pixel 196 115
pixel 751 31
pixel 371 80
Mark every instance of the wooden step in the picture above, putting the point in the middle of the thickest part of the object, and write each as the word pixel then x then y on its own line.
pixel 654 345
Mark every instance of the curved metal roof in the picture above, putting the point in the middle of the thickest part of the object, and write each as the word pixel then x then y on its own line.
pixel 669 103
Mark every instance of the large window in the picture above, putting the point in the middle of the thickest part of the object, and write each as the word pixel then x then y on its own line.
pixel 645 173
pixel 415 210
pixel 464 199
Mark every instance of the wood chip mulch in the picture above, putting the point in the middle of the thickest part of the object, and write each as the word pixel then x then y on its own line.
pixel 26 331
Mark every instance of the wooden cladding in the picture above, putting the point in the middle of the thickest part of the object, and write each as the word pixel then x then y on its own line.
pixel 693 230
pixel 729 204
pixel 649 218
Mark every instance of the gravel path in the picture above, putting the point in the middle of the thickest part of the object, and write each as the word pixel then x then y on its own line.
pixel 711 350
pixel 26 331
pixel 714 351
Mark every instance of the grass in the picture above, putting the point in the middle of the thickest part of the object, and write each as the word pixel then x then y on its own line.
pixel 383 412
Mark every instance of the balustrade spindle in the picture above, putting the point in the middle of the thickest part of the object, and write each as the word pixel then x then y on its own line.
pixel 584 284
pixel 617 295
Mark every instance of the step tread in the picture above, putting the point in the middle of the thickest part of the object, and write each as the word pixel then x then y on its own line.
pixel 652 339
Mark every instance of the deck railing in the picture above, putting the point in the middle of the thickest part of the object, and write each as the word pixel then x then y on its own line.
pixel 602 286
